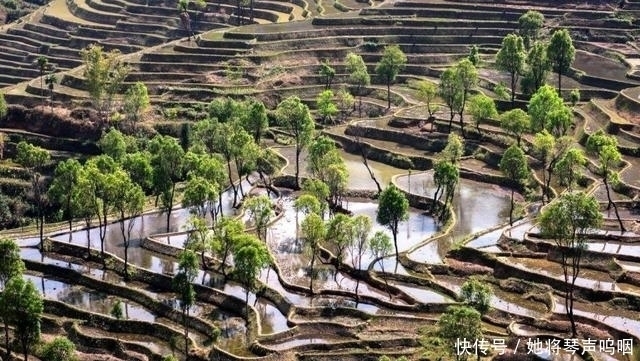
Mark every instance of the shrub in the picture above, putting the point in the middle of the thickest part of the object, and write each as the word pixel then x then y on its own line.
pixel 60 349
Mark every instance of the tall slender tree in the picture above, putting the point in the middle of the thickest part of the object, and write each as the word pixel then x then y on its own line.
pixel 43 63
pixel 561 54
pixel 391 64
pixel 314 231
pixel 393 208
pixel 358 76
pixel 33 158
pixel 511 58
pixel 62 189
pixel 183 286
pixel 168 170
pixel 295 117
pixel 514 165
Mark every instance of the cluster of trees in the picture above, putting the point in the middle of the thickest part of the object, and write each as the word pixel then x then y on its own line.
pixel 446 171
pixel 392 62
pixel 525 54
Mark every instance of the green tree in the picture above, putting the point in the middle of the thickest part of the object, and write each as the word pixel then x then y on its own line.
pixel 117 310
pixel 482 107
pixel 33 158
pixel 250 257
pixel 393 208
pixel 136 101
pixel 567 221
pixel 516 122
pixel 245 153
pixel 225 234
pixel 428 93
pixel 314 232
pixel 340 236
pixel 128 204
pixel 574 97
pixel 183 287
pixel 561 54
pixel 467 76
pixel 62 189
pixel 51 80
pixel 391 64
pixel 451 91
pixel 477 294
pixel 113 144
pixel 295 117
pixel 537 69
pixel 358 76
pixel 100 183
pixel 168 170
pixel 323 152
pixel 514 165
pixel 307 203
pixel 138 166
pixel 543 145
pixel 43 63
pixel 361 228
pixel 530 24
pixel 543 103
pixel 201 194
pixel 200 238
pixel 261 212
pixel 511 58
pixel 380 247
pixel 85 203
pixel 3 106
pixel 327 72
pixel 459 323
pixel 104 74
pixel 569 166
pixel 445 176
pixel 318 189
pixel 267 165
pixel 254 119
pixel 474 55
pixel 22 308
pixel 326 107
pixel 560 120
pixel 344 102
pixel 454 150
pixel 59 349
pixel 11 264
pixel 606 148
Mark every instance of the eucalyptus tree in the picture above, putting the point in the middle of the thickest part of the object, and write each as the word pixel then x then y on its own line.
pixel 362 226
pixel 482 107
pixel 250 257
pixel 136 101
pixel 530 24
pixel 511 58
pixel 104 74
pixel 568 221
pixel 43 63
pixel 543 103
pixel 85 203
pixel 428 93
pixel 296 118
pixel 245 155
pixel 314 232
pixel 253 118
pixel 380 247
pixel 569 166
pixel 514 165
pixel 320 190
pixel 467 76
pixel 326 107
pixel 62 189
pixel 128 203
pixel 516 122
pixel 327 72
pixel 393 208
pixel 358 76
pixel 99 180
pixel 200 238
pixel 605 147
pixel 537 68
pixel 323 152
pixel 11 264
pixel 168 170
pixel 225 234
pixel 340 236
pixel 391 63
pixel 445 176
pixel 183 287
pixel 451 91
pixel 543 145
pixel 25 308
pixel 261 211
pixel 561 53
pixel 33 158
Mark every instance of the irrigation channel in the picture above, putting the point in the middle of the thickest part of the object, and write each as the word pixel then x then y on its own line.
pixel 480 217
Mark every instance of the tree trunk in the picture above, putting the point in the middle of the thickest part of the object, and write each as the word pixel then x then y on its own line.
pixel 298 151
pixel 366 164
pixel 388 94
pixel 615 207
pixel 125 242
pixel 386 283
pixel 313 258
pixel 186 334
pixel 544 182
pixel 513 88
pixel 233 186
pixel 560 83
pixel 395 239
pixel 511 209
pixel 251 11
pixel 170 208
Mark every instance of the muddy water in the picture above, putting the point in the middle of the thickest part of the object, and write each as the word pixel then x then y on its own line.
pixel 478 206
pixel 359 177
